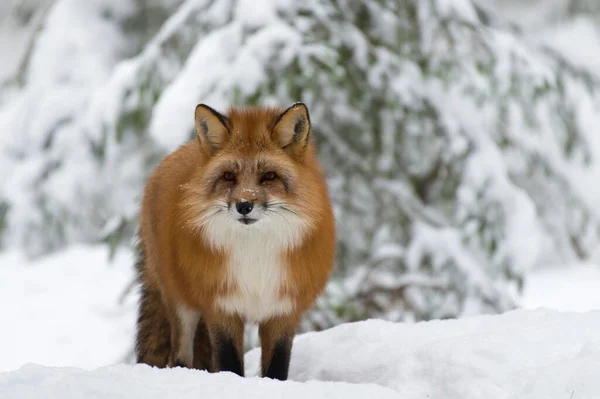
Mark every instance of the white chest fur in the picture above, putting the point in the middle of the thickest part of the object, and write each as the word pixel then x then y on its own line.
pixel 256 264
pixel 259 275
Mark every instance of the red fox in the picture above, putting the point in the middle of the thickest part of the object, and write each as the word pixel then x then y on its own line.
pixel 236 226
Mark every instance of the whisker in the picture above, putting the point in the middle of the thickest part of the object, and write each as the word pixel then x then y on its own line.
pixel 281 205
pixel 290 211
pixel 221 204
pixel 210 213
pixel 275 202
pixel 281 215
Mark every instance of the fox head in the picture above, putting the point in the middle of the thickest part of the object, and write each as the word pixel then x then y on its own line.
pixel 258 173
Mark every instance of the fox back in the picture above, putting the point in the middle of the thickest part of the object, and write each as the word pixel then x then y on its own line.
pixel 237 226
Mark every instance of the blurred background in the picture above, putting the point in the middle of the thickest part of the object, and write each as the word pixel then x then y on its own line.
pixel 460 140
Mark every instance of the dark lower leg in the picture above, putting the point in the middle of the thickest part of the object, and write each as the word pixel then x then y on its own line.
pixel 227 333
pixel 276 337
pixel 203 348
pixel 277 366
pixel 228 356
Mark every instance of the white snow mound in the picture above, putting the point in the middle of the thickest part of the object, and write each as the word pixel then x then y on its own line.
pixel 140 381
pixel 524 354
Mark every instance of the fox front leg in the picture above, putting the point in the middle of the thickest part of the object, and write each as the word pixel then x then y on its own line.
pixel 276 338
pixel 227 334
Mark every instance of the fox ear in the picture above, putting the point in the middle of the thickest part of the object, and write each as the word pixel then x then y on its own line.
pixel 211 128
pixel 292 128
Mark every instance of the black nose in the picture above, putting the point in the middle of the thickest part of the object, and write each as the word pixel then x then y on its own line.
pixel 244 207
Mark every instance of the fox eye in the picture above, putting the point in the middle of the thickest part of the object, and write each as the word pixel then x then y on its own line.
pixel 268 176
pixel 228 176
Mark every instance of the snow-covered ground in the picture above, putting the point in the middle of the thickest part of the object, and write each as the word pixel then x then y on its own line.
pixel 64 310
pixel 67 335
pixel 573 288
pixel 521 354
pixel 143 382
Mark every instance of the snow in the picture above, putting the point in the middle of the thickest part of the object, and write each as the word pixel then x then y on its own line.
pixel 64 41
pixel 140 381
pixel 462 8
pixel 65 308
pixel 581 30
pixel 570 288
pixel 530 14
pixel 74 339
pixel 484 356
pixel 16 35
pixel 48 137
pixel 521 354
pixel 78 90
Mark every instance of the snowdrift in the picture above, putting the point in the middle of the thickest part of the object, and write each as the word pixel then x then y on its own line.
pixel 65 308
pixel 521 354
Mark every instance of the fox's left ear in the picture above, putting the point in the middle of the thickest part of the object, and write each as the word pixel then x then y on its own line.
pixel 292 128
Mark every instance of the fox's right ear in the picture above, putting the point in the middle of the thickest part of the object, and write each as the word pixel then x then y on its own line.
pixel 211 128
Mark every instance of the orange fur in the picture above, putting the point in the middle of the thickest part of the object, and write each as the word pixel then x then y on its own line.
pixel 181 260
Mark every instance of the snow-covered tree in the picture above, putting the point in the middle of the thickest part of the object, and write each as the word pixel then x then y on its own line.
pixel 458 154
